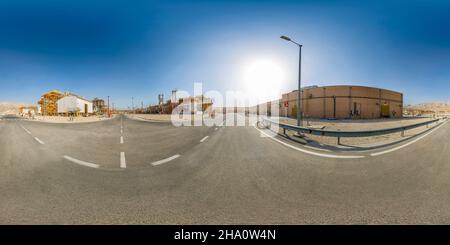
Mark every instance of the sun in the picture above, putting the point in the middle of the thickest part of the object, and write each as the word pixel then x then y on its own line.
pixel 262 79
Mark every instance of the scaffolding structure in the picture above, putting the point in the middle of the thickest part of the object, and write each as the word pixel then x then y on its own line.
pixel 48 102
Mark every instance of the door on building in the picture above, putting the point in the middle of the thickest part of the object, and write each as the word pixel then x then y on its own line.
pixel 385 110
pixel 85 109
pixel 356 109
pixel 294 111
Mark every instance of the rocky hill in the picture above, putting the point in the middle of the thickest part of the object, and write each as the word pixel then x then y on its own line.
pixel 431 106
pixel 7 108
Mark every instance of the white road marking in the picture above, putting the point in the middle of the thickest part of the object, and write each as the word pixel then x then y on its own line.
pixel 165 160
pixel 87 164
pixel 26 130
pixel 121 139
pixel 123 162
pixel 315 148
pixel 204 138
pixel 306 151
pixel 38 140
pixel 216 128
pixel 409 143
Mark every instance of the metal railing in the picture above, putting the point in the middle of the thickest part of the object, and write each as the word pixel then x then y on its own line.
pixel 339 133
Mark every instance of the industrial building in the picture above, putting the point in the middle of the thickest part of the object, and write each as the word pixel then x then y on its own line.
pixel 55 103
pixel 73 104
pixel 340 102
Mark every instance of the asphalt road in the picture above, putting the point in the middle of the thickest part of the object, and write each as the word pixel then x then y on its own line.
pixel 160 174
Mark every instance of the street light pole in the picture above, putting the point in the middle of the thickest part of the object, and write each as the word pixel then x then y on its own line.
pixel 299 94
pixel 109 111
pixel 132 105
pixel 299 91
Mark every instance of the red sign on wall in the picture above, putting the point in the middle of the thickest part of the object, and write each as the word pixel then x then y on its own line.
pixel 286 104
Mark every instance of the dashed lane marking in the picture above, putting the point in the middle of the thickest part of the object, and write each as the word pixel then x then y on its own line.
pixel 165 160
pixel 204 138
pixel 35 138
pixel 121 139
pixel 123 162
pixel 38 140
pixel 26 130
pixel 87 164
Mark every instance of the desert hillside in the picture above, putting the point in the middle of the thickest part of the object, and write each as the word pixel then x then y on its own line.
pixel 430 106
pixel 10 108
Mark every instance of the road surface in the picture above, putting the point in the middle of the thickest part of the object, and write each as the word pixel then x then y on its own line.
pixel 123 171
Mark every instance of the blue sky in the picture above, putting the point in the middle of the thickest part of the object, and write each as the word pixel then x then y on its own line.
pixel 142 48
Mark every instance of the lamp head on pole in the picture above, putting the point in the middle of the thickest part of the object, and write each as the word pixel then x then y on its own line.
pixel 285 38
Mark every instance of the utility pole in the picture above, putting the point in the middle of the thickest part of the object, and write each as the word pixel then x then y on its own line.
pixel 203 110
pixel 162 103
pixel 45 106
pixel 109 111
pixel 132 105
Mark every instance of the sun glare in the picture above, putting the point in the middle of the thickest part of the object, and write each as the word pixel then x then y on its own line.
pixel 263 80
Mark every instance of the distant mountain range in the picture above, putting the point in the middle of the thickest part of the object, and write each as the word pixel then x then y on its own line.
pixel 432 106
pixel 7 108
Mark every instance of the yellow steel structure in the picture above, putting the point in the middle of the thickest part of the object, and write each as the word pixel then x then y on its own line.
pixel 48 102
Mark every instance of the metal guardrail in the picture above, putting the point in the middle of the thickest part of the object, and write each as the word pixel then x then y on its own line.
pixel 339 133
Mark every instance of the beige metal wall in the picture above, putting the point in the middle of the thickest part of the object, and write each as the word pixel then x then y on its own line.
pixel 343 102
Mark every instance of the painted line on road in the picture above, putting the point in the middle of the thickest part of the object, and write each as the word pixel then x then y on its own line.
pixel 309 152
pixel 87 164
pixel 407 144
pixel 315 148
pixel 165 160
pixel 204 138
pixel 38 140
pixel 216 128
pixel 123 162
pixel 121 139
pixel 26 130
